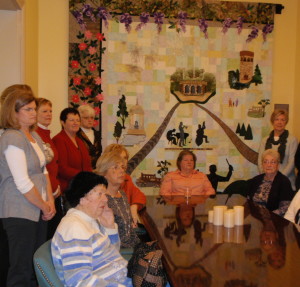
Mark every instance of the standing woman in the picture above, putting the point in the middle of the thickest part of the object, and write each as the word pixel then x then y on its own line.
pixel 281 140
pixel 73 155
pixel 44 119
pixel 88 134
pixel 26 200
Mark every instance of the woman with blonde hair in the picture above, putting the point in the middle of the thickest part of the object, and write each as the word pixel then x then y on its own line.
pixel 44 119
pixel 136 197
pixel 281 140
pixel 26 200
pixel 88 134
pixel 112 166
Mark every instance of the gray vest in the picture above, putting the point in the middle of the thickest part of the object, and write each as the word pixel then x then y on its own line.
pixel 12 202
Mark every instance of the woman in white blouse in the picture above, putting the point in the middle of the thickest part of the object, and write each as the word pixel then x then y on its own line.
pixel 26 200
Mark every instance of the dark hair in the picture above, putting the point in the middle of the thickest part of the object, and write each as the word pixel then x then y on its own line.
pixel 65 112
pixel 81 184
pixel 182 154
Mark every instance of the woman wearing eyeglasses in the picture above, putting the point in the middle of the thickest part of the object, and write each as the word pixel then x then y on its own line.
pixel 271 189
pixel 26 199
pixel 88 134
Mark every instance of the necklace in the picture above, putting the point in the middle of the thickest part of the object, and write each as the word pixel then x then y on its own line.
pixel 126 218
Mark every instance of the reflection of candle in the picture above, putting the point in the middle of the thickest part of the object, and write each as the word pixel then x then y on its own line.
pixel 218 215
pixel 210 228
pixel 229 218
pixel 238 215
pixel 211 216
pixel 228 234
pixel 218 234
pixel 239 234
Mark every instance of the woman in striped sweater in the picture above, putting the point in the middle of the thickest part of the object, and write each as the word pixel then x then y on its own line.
pixel 85 247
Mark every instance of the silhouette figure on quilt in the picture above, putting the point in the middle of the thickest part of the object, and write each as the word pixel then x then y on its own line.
pixel 215 178
pixel 171 136
pixel 200 134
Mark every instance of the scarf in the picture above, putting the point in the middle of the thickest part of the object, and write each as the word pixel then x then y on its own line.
pixel 281 142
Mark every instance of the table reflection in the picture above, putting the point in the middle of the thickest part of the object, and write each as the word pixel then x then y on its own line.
pixel 197 253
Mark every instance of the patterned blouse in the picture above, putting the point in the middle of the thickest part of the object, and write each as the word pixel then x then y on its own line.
pixel 123 218
pixel 262 194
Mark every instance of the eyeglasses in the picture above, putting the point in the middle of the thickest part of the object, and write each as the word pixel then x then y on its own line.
pixel 88 118
pixel 272 162
pixel 28 110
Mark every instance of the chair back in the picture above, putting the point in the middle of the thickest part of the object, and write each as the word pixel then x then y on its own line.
pixel 44 268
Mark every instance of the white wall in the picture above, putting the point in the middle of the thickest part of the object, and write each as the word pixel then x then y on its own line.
pixel 11 48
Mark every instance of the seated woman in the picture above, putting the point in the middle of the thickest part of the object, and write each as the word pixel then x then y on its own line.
pixel 85 246
pixel 293 212
pixel 136 197
pixel 88 134
pixel 271 189
pixel 112 167
pixel 186 178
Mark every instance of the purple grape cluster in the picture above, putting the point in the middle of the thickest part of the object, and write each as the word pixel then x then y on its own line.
pixel 239 24
pixel 126 19
pixel 203 27
pixel 159 20
pixel 88 11
pixel 253 34
pixel 144 18
pixel 182 20
pixel 103 14
pixel 79 18
pixel 226 25
pixel 267 29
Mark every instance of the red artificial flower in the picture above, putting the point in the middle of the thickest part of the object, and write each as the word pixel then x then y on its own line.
pixel 92 50
pixel 97 110
pixel 88 34
pixel 98 81
pixel 82 46
pixel 74 64
pixel 100 37
pixel 75 99
pixel 100 97
pixel 76 81
pixel 95 123
pixel 92 67
pixel 87 91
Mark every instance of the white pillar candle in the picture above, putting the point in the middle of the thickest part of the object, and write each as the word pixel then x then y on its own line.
pixel 239 234
pixel 218 215
pixel 218 234
pixel 229 218
pixel 224 207
pixel 228 234
pixel 238 215
pixel 210 216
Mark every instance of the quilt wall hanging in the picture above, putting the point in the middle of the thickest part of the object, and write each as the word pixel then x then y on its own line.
pixel 163 78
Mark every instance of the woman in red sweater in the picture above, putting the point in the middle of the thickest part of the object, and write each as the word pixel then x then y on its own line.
pixel 44 119
pixel 73 156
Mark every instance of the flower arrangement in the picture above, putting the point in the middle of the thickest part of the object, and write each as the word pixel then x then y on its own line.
pixel 227 13
pixel 84 75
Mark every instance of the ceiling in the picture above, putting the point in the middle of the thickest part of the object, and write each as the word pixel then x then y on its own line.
pixel 12 5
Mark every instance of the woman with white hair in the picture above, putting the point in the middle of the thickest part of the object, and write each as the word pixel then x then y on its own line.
pixel 88 134
pixel 271 189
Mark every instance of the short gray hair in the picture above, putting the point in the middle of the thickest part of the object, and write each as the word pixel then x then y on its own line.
pixel 87 110
pixel 272 152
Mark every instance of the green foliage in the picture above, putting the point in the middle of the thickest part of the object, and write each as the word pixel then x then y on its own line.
pixel 122 113
pixel 257 77
pixel 117 131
